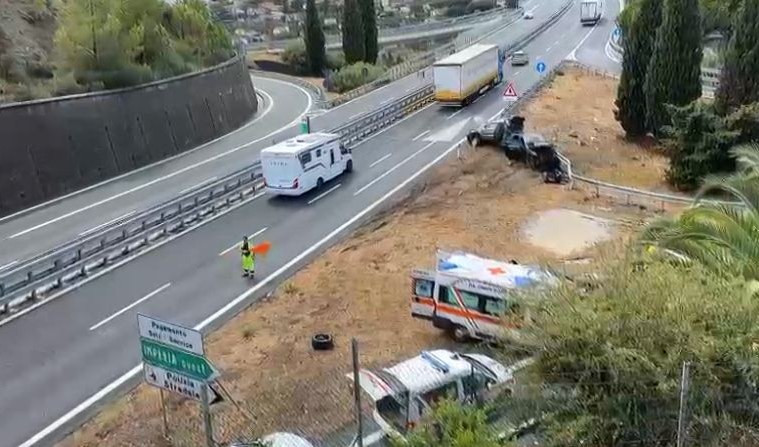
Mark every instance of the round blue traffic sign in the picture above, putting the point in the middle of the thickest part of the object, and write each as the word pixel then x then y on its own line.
pixel 540 67
pixel 617 31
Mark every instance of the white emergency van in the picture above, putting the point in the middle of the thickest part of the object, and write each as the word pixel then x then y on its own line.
pixel 303 163
pixel 468 296
pixel 406 392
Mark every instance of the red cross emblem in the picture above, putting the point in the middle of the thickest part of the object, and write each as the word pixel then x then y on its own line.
pixel 496 271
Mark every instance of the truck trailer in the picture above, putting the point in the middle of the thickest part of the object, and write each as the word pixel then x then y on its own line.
pixel 461 77
pixel 590 11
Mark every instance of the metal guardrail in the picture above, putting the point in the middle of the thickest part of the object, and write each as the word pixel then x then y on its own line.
pixel 73 262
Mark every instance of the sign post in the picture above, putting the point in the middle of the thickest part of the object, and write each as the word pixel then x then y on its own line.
pixel 207 417
pixel 174 360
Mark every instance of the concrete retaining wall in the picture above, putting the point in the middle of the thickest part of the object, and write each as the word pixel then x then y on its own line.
pixel 52 147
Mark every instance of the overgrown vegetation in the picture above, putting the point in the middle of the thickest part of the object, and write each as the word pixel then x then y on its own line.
pixel 355 75
pixel 697 134
pixel 114 43
pixel 451 425
pixel 104 44
pixel 674 72
pixel 610 359
pixel 723 237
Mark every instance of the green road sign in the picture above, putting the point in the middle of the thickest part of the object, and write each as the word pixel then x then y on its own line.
pixel 176 360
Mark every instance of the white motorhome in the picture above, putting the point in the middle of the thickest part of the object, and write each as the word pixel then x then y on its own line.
pixel 468 296
pixel 406 392
pixel 461 77
pixel 303 163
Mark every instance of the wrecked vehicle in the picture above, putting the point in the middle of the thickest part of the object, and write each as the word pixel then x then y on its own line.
pixel 531 149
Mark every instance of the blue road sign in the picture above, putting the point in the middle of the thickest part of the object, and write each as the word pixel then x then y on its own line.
pixel 540 67
pixel 617 31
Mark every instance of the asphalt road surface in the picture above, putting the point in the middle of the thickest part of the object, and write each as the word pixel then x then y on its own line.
pixel 60 360
pixel 48 225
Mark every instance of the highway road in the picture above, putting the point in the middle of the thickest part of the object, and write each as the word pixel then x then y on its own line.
pixel 60 360
pixel 47 225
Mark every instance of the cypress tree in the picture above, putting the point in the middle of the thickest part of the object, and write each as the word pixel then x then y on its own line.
pixel 739 84
pixel 674 73
pixel 369 22
pixel 638 43
pixel 314 37
pixel 353 35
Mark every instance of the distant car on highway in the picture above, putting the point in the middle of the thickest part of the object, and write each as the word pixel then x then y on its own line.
pixel 303 163
pixel 528 16
pixel 520 58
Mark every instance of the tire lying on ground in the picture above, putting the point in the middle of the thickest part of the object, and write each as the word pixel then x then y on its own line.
pixel 322 342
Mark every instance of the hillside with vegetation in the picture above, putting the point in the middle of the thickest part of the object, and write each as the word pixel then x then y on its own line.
pixel 59 47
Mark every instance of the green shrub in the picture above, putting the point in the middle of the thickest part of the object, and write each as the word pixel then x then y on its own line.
pixel 609 359
pixel 699 140
pixel 295 56
pixel 335 61
pixel 354 76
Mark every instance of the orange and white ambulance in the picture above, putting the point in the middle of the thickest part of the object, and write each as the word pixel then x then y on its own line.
pixel 468 296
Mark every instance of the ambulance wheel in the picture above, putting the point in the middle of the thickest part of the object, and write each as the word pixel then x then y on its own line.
pixel 319 183
pixel 349 167
pixel 460 334
pixel 322 342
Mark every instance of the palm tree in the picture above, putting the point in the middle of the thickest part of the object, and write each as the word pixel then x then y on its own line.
pixel 722 235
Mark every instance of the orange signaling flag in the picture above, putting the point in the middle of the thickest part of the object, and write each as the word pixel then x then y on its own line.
pixel 262 248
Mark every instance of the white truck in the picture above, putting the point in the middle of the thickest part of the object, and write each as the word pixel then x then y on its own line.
pixel 303 163
pixel 461 77
pixel 590 11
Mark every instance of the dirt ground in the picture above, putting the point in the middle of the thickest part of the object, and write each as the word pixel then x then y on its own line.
pixel 360 288
pixel 578 112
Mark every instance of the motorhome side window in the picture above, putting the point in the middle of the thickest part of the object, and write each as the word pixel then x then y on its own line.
pixel 305 158
pixel 318 152
pixel 423 287
pixel 343 149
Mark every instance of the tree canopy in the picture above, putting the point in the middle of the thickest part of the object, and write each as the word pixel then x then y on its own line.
pixel 117 43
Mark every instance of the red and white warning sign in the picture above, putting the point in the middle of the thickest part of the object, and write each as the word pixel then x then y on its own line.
pixel 510 94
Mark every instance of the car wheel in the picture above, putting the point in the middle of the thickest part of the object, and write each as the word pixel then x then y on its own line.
pixel 322 342
pixel 460 334
pixel 498 133
pixel 319 183
pixel 349 166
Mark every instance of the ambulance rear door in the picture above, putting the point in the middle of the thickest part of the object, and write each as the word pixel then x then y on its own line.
pixel 422 287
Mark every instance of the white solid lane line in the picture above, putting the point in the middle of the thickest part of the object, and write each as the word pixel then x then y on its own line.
pixel 257 233
pixel 143 299
pixel 375 163
pixel 322 195
pixel 159 179
pixel 204 182
pixel 10 264
pixel 389 171
pixel 420 135
pixel 455 113
pixel 86 232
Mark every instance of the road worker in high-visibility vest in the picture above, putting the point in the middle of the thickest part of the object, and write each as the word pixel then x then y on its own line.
pixel 248 258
